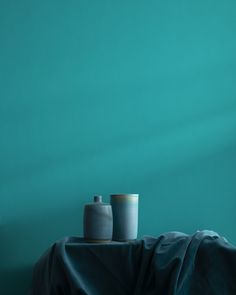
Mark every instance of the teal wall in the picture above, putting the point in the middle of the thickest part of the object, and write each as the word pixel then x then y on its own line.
pixel 107 97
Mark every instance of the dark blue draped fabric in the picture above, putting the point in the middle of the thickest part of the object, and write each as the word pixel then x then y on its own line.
pixel 172 264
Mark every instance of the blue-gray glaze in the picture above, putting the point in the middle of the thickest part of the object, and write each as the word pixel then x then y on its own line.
pixel 125 216
pixel 98 221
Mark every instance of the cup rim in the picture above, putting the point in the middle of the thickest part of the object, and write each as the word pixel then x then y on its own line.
pixel 125 195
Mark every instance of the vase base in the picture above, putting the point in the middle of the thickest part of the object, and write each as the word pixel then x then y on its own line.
pixel 96 241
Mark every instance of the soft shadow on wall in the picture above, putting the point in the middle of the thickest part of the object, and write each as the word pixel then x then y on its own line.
pixel 23 242
pixel 16 280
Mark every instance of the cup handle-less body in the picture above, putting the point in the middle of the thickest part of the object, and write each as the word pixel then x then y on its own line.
pixel 125 216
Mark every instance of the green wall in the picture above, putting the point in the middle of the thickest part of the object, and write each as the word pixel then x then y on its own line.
pixel 107 97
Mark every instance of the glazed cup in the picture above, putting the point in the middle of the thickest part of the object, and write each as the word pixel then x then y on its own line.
pixel 125 216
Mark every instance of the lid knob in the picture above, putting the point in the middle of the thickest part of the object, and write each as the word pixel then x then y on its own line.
pixel 97 199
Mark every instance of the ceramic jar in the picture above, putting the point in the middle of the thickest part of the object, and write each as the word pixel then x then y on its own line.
pixel 125 216
pixel 98 221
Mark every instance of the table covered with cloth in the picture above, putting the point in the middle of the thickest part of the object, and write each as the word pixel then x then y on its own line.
pixel 173 263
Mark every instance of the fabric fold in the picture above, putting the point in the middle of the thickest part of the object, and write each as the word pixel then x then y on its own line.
pixel 172 264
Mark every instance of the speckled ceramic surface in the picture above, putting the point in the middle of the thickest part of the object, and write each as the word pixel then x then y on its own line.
pixel 98 221
pixel 125 216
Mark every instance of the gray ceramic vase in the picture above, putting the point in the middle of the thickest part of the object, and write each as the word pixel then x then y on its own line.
pixel 125 216
pixel 98 221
